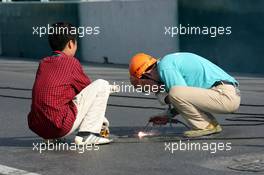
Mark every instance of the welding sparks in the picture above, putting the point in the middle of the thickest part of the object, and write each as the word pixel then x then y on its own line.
pixel 142 134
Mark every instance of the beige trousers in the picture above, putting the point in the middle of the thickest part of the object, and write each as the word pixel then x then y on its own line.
pixel 91 105
pixel 197 104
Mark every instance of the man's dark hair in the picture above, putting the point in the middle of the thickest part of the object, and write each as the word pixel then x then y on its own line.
pixel 60 34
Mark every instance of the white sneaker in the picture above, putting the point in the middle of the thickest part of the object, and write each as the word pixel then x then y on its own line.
pixel 91 139
pixel 114 88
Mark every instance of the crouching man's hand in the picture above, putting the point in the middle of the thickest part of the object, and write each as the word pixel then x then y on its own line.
pixel 159 120
pixel 165 117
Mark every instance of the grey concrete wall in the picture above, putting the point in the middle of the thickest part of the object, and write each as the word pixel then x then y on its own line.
pixel 127 27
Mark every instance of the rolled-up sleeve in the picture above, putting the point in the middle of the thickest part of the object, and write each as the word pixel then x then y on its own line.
pixel 80 79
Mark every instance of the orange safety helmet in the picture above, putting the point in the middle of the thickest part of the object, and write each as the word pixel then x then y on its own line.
pixel 139 63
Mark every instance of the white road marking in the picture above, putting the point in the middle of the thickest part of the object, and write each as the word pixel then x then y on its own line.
pixel 6 170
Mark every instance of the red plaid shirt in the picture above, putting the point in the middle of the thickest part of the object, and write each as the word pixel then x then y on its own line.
pixel 58 80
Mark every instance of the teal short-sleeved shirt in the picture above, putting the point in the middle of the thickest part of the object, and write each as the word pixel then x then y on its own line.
pixel 188 69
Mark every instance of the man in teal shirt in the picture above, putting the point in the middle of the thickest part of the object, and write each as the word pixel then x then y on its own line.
pixel 195 87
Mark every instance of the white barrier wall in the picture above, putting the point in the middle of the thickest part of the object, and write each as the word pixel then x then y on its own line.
pixel 127 27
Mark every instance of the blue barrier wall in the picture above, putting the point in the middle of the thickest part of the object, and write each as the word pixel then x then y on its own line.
pixel 17 20
pixel 242 51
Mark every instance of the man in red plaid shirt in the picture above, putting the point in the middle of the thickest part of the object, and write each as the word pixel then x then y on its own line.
pixel 64 99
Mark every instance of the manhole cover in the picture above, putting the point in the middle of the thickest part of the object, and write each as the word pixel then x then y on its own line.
pixel 245 163
pixel 250 165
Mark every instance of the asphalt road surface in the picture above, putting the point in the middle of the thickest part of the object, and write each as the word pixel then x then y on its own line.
pixel 240 147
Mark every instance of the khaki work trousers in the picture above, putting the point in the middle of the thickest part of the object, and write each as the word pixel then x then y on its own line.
pixel 196 105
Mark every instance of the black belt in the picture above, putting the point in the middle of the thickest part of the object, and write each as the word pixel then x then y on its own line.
pixel 217 83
